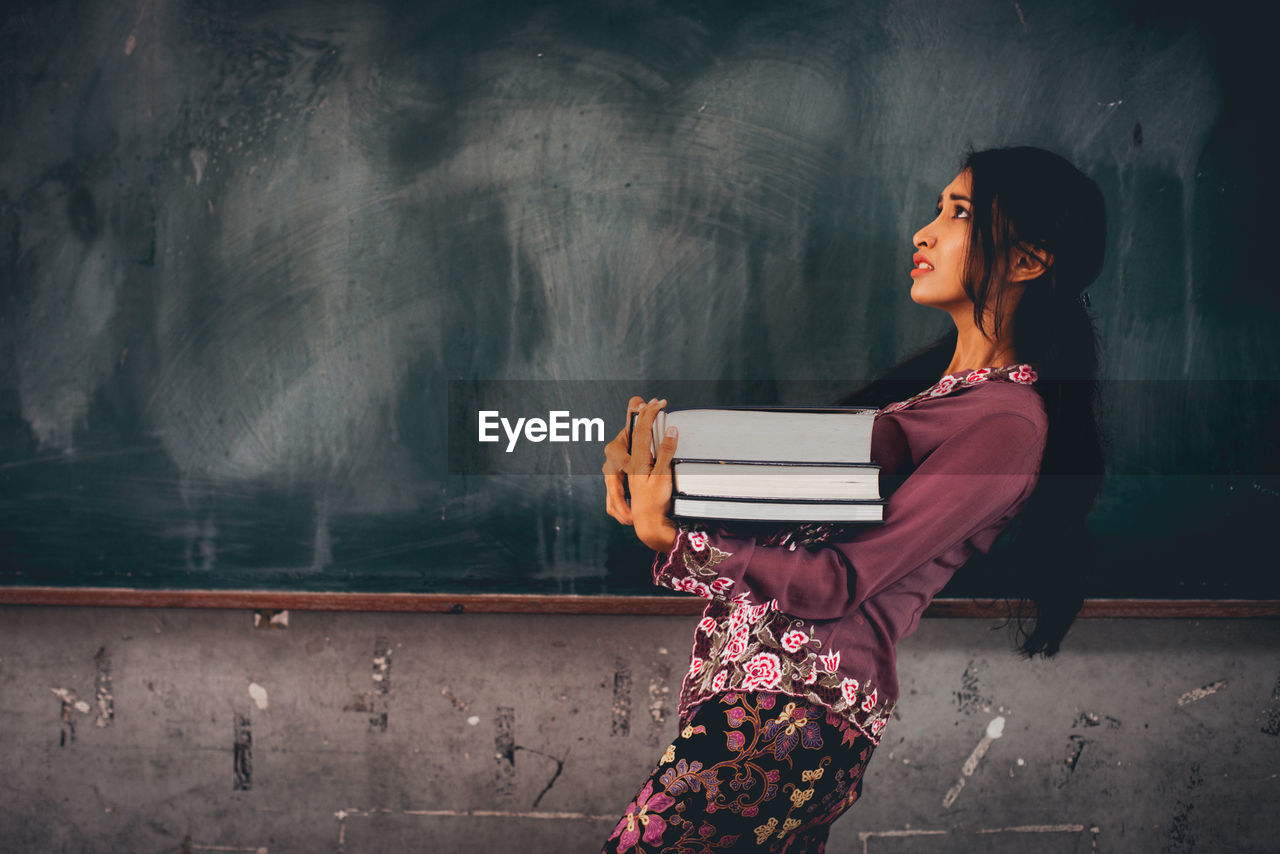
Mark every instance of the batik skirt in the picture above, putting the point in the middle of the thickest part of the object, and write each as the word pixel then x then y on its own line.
pixel 749 772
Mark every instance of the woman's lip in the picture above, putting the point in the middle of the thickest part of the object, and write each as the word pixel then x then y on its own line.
pixel 919 271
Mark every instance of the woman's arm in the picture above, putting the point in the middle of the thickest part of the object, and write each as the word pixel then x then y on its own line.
pixel 974 479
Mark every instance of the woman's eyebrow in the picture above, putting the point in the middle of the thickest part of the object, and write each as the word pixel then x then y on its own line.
pixel 955 197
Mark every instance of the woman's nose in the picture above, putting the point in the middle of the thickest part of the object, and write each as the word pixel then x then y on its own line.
pixel 922 239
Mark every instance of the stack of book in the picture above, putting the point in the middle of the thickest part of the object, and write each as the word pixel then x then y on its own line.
pixel 777 465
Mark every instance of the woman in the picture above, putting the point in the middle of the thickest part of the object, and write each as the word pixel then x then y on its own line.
pixel 792 677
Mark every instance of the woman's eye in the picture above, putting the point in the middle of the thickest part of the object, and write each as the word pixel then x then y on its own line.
pixel 961 212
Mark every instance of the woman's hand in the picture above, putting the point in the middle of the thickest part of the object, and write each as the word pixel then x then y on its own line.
pixel 649 479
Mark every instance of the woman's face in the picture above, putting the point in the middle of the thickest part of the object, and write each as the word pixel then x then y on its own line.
pixel 937 268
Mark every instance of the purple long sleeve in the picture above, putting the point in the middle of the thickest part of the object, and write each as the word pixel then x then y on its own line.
pixel 821 621
pixel 972 480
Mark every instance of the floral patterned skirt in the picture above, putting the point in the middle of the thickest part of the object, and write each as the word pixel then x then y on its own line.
pixel 749 772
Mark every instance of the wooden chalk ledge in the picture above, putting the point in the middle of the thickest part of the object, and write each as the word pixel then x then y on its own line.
pixel 506 603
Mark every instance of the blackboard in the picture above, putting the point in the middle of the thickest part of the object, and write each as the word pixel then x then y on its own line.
pixel 261 261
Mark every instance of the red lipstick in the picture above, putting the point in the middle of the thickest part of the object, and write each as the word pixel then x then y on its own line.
pixel 916 269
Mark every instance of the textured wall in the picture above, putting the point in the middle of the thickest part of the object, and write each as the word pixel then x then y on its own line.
pixel 188 731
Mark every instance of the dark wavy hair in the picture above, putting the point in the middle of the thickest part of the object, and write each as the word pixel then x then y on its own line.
pixel 1031 199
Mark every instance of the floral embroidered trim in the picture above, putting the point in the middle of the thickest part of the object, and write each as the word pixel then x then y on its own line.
pixel 744 646
pixel 698 561
pixel 1022 374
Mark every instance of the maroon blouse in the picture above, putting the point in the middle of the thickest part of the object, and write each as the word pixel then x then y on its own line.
pixel 817 616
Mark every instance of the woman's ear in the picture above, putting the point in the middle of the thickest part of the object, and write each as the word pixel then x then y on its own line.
pixel 1029 263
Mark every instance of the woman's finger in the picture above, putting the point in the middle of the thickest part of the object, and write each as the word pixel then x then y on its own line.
pixel 615 502
pixel 618 509
pixel 615 453
pixel 642 440
pixel 666 453
pixel 615 463
pixel 633 406
pixel 638 442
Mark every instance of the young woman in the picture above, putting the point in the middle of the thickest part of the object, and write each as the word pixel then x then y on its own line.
pixel 792 677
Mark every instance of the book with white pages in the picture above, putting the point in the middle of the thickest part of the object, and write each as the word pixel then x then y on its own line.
pixel 729 509
pixel 813 481
pixel 840 435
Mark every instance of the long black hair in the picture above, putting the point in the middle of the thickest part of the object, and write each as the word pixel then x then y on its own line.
pixel 1033 200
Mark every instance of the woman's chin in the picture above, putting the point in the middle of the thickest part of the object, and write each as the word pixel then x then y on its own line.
pixel 922 294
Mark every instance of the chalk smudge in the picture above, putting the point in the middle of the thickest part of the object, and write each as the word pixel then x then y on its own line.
pixel 1091 719
pixel 504 750
pixel 969 698
pixel 658 692
pixel 453 699
pixel 102 688
pixel 995 729
pixel 621 700
pixel 1202 692
pixel 69 704
pixel 270 618
pixel 1182 837
pixel 380 700
pixel 242 754
pixel 1271 726
pixel 199 160
pixel 1075 746
pixel 1076 743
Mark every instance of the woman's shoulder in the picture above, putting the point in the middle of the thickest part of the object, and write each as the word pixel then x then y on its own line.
pixel 1005 397
pixel 994 402
pixel 997 415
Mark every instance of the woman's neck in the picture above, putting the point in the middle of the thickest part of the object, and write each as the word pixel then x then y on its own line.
pixel 974 350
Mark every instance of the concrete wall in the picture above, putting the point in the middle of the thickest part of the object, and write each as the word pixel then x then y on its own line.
pixel 189 731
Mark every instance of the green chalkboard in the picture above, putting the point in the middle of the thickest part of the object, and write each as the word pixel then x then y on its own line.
pixel 262 265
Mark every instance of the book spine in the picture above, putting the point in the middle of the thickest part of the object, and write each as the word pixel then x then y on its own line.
pixel 737 500
pixel 810 463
